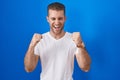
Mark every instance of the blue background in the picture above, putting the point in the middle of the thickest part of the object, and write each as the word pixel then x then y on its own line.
pixel 97 20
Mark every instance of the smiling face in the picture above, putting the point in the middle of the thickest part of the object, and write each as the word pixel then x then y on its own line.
pixel 56 19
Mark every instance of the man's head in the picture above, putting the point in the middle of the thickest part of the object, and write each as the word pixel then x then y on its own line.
pixel 55 6
pixel 56 17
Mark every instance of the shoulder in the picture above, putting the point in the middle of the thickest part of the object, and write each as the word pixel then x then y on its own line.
pixel 69 37
pixel 68 34
pixel 45 34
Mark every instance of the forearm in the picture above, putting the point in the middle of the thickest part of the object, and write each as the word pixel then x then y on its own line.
pixel 30 60
pixel 83 59
pixel 82 56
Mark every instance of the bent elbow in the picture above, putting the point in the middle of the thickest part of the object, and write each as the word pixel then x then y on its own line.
pixel 86 68
pixel 28 69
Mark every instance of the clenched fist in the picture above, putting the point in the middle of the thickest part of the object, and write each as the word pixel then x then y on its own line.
pixel 77 39
pixel 35 39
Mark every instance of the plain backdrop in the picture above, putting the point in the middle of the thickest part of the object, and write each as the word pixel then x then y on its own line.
pixel 98 21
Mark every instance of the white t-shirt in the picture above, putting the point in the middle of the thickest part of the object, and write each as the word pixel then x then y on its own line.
pixel 57 57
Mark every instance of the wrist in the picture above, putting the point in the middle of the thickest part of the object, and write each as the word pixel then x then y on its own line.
pixel 80 45
pixel 32 44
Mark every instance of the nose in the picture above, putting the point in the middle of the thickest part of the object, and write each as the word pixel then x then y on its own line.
pixel 57 22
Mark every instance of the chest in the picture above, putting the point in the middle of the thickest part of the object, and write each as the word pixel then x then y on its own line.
pixel 56 48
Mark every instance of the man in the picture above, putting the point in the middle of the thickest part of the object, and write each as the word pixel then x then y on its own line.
pixel 56 49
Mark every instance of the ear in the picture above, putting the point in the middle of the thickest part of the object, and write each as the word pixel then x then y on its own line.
pixel 47 17
pixel 65 18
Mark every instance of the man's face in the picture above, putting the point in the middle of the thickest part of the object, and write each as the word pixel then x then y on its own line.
pixel 56 21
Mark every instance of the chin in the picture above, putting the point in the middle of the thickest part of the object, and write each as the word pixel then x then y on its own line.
pixel 58 32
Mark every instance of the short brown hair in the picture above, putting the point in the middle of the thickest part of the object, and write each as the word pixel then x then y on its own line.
pixel 56 6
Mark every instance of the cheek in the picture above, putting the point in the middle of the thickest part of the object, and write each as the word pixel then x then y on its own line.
pixel 63 22
pixel 51 23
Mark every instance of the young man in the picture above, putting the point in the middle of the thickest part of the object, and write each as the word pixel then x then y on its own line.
pixel 56 49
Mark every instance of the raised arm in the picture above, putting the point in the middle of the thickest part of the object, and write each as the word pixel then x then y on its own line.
pixel 82 56
pixel 31 60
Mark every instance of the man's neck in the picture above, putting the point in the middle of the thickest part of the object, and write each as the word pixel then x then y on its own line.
pixel 57 36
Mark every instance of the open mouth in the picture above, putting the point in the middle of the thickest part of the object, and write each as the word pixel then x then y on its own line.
pixel 57 27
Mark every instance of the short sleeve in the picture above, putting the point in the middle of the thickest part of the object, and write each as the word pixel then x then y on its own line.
pixel 37 50
pixel 73 47
pixel 76 52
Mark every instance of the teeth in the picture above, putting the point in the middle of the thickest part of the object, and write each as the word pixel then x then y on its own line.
pixel 56 26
